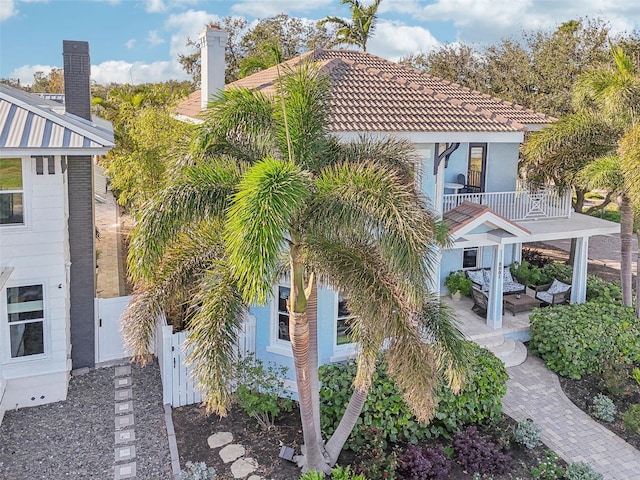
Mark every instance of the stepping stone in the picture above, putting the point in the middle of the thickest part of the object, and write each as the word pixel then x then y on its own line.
pixel 125 453
pixel 127 470
pixel 243 467
pixel 255 477
pixel 125 436
pixel 124 421
pixel 219 439
pixel 123 370
pixel 122 382
pixel 124 394
pixel 124 407
pixel 231 452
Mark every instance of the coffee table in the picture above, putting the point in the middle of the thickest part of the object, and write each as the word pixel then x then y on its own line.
pixel 522 304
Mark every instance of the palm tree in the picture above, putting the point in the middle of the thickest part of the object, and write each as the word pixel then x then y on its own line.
pixel 607 103
pixel 359 29
pixel 269 190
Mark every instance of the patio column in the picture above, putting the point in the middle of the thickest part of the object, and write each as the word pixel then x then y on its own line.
pixel 579 280
pixel 517 252
pixel 439 190
pixel 494 309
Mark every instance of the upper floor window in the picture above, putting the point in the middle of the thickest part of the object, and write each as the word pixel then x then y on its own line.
pixel 25 312
pixel 11 192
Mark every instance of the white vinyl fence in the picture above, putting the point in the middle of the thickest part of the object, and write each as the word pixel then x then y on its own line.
pixel 178 388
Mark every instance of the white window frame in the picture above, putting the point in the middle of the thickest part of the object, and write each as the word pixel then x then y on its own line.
pixel 478 258
pixel 6 325
pixel 345 350
pixel 276 344
pixel 26 165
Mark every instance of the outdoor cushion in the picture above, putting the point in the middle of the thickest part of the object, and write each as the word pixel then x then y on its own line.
pixel 558 287
pixel 476 276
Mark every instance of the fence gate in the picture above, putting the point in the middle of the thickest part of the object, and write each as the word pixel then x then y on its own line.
pixel 109 340
pixel 178 387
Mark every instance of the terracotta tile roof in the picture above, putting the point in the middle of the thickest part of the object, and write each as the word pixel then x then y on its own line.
pixel 372 94
pixel 467 212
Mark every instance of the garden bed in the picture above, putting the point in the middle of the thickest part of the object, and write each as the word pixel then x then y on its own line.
pixel 193 428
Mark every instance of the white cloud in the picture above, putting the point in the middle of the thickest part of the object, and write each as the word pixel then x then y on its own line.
pixel 155 6
pixel 269 8
pixel 154 39
pixel 393 40
pixel 25 73
pixel 119 71
pixel 7 9
pixel 130 43
pixel 187 25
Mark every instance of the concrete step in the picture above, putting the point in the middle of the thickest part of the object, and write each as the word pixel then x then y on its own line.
pixel 510 351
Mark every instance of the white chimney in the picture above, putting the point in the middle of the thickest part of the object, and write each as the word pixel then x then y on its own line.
pixel 213 42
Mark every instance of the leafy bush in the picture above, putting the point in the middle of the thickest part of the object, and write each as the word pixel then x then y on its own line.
pixel 613 377
pixel 337 473
pixel 527 433
pixel 548 468
pixel 581 471
pixel 574 340
pixel 197 471
pixel 458 282
pixel 478 454
pixel 603 408
pixel 631 418
pixel 480 400
pixel 372 460
pixel 526 273
pixel 260 391
pixel 635 375
pixel 429 463
pixel 535 258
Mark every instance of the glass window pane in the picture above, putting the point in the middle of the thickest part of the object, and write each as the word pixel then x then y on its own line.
pixel 283 296
pixel 11 208
pixel 470 258
pixel 343 311
pixel 343 331
pixel 26 339
pixel 283 327
pixel 10 174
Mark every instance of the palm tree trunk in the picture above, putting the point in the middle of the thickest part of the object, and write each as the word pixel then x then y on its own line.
pixel 347 422
pixel 626 232
pixel 312 318
pixel 312 458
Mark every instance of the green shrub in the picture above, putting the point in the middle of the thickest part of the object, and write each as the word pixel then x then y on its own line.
pixel 548 468
pixel 458 282
pixel 581 471
pixel 527 433
pixel 635 375
pixel 337 473
pixel 631 418
pixel 574 340
pixel 480 400
pixel 603 408
pixel 197 471
pixel 526 273
pixel 260 391
pixel 614 377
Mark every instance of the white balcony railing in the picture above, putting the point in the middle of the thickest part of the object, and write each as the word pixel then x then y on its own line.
pixel 548 202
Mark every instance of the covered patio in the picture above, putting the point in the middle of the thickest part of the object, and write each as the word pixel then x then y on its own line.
pixel 474 225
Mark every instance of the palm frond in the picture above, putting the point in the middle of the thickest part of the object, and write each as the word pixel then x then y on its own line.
pixel 604 173
pixel 239 123
pixel 629 152
pixel 258 223
pixel 138 323
pixel 202 192
pixel 213 337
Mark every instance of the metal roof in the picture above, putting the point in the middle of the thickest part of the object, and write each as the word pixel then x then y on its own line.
pixel 31 124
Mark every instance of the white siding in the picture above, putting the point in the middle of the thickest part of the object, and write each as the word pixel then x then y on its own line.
pixel 39 254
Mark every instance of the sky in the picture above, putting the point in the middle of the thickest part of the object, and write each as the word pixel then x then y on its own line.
pixel 138 41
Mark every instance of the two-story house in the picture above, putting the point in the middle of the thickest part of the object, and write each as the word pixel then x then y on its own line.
pixel 47 233
pixel 468 144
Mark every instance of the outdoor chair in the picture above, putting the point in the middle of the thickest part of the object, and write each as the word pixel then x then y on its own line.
pixel 480 301
pixel 553 293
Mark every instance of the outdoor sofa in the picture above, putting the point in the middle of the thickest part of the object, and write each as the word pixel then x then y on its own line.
pixel 481 279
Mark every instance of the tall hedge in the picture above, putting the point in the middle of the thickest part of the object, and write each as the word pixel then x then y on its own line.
pixel 575 340
pixel 480 400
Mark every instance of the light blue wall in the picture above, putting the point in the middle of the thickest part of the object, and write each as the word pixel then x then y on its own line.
pixel 502 167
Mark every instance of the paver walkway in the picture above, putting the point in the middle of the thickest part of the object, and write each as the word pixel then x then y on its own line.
pixel 534 392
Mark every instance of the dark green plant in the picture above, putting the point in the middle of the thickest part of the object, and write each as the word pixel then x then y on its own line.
pixel 614 377
pixel 260 391
pixel 458 282
pixel 373 458
pixel 534 257
pixel 197 471
pixel 631 418
pixel 548 468
pixel 581 471
pixel 337 473
pixel 526 273
pixel 478 454
pixel 603 408
pixel 575 340
pixel 479 401
pixel 527 433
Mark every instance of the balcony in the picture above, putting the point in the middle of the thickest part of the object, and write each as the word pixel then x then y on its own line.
pixel 521 205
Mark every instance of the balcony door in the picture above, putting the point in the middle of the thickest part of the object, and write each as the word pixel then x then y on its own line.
pixel 477 169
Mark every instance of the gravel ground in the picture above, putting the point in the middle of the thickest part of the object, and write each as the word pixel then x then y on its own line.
pixel 75 439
